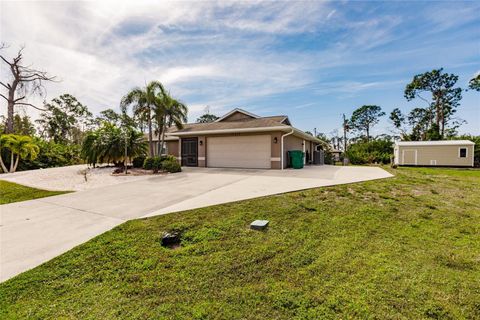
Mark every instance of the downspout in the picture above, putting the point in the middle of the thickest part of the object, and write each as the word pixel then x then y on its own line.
pixel 304 155
pixel 281 146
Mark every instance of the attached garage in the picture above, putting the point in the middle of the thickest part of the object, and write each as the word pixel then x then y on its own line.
pixel 239 152
pixel 239 139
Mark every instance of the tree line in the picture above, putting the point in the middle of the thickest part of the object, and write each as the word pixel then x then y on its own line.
pixel 438 96
pixel 68 133
pixel 435 120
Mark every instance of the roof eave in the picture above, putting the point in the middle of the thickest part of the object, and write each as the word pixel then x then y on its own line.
pixel 305 135
pixel 427 144
pixel 234 130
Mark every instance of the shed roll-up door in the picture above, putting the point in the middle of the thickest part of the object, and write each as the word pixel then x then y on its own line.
pixel 239 152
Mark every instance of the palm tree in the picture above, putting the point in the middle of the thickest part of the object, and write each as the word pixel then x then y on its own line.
pixel 90 148
pixel 19 147
pixel 168 112
pixel 107 144
pixel 143 103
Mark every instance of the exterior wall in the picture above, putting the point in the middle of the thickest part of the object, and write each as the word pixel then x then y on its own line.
pixel 291 142
pixel 309 148
pixel 173 148
pixel 202 147
pixel 237 116
pixel 447 155
pixel 276 161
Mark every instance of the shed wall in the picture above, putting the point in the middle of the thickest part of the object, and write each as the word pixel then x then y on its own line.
pixel 447 155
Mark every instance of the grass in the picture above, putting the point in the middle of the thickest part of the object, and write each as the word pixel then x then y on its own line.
pixel 12 192
pixel 401 248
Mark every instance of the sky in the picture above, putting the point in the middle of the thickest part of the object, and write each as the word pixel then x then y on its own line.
pixel 312 61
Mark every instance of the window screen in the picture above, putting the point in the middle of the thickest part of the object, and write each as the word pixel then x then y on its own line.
pixel 463 152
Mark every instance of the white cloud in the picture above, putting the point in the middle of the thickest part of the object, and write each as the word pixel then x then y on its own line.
pixel 101 49
pixel 222 54
pixel 354 87
pixel 185 74
pixel 331 13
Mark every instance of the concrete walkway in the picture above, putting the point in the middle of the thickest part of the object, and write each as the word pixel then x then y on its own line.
pixel 36 231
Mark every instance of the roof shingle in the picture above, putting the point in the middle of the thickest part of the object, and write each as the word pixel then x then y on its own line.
pixel 275 121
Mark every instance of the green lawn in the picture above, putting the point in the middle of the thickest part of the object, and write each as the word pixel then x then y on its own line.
pixel 401 248
pixel 12 192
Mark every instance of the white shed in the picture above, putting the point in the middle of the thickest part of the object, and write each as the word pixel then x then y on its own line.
pixel 455 153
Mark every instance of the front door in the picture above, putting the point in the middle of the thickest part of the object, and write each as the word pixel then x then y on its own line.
pixel 190 152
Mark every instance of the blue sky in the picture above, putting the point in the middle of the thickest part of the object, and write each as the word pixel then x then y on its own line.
pixel 310 60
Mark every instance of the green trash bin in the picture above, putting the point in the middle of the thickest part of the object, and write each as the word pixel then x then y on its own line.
pixel 296 159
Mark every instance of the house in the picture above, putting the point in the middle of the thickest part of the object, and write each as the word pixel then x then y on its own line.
pixel 457 153
pixel 239 139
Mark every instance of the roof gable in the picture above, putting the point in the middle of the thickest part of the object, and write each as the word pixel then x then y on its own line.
pixel 237 114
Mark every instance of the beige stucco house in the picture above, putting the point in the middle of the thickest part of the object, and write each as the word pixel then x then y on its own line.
pixel 457 153
pixel 239 139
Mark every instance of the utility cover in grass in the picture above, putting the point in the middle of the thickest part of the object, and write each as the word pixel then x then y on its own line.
pixel 171 240
pixel 259 224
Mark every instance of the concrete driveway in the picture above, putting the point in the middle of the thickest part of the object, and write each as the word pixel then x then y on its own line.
pixel 36 231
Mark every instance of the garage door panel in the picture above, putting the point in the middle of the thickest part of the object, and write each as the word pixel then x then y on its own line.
pixel 239 152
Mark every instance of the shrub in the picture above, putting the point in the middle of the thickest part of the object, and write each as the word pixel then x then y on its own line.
pixel 328 157
pixel 138 162
pixel 169 157
pixel 148 163
pixel 375 151
pixel 171 165
pixel 52 154
pixel 153 163
pixel 157 164
pixel 167 163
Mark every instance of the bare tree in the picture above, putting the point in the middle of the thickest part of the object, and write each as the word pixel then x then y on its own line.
pixel 24 81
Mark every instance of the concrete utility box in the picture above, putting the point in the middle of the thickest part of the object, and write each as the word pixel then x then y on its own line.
pixel 259 224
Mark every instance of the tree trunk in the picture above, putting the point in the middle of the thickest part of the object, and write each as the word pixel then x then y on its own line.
pixel 11 106
pixel 158 145
pixel 443 124
pixel 150 133
pixel 438 111
pixel 21 75
pixel 368 134
pixel 2 164
pixel 11 161
pixel 164 127
pixel 16 163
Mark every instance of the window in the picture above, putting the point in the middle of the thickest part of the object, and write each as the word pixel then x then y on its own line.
pixel 462 152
